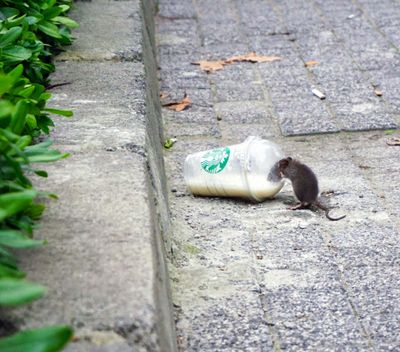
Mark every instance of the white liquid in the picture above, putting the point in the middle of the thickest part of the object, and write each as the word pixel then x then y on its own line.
pixel 244 175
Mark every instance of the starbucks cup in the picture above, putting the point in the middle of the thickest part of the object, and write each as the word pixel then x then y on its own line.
pixel 241 170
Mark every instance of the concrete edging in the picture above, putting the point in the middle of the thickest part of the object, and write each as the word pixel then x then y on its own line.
pixel 105 265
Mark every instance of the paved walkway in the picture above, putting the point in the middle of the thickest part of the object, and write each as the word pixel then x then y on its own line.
pixel 257 277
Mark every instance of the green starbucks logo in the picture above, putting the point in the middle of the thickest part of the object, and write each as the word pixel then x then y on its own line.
pixel 215 160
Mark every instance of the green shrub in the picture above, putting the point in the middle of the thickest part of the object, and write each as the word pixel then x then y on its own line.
pixel 31 32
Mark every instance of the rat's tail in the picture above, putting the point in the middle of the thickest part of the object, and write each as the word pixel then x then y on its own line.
pixel 326 210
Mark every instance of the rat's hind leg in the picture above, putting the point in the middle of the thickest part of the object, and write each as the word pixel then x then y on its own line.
pixel 302 205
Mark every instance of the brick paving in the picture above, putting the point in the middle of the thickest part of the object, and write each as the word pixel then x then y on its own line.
pixel 255 277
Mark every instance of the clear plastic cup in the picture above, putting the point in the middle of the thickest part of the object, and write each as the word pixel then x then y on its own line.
pixel 240 170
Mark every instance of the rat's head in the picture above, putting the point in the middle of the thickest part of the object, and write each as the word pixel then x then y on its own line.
pixel 284 163
pixel 284 166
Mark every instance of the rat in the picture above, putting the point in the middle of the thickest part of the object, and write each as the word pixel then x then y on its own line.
pixel 304 183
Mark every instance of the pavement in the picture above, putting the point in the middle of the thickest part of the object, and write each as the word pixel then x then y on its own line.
pixel 255 276
pixel 136 263
pixel 104 265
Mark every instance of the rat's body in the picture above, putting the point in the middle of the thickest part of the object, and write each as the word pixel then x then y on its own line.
pixel 305 184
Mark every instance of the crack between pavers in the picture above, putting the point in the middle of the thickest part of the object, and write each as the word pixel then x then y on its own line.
pixel 130 147
pixel 268 104
pixel 130 334
pixel 345 287
pixel 374 25
pixel 211 84
pixel 136 57
pixel 310 75
pixel 273 333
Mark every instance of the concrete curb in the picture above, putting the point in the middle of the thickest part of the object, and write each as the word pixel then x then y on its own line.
pixel 105 263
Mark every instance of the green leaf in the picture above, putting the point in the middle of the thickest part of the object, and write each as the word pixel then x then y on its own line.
pixel 31 120
pixel 45 96
pixel 15 53
pixel 35 211
pixel 16 21
pixel 6 108
pixel 39 146
pixel 65 7
pixel 14 292
pixel 12 137
pixel 40 153
pixel 47 4
pixel 48 339
pixel 52 12
pixel 32 19
pixel 44 122
pixel 13 202
pixel 7 12
pixel 66 113
pixel 23 142
pixel 67 22
pixel 16 73
pixel 15 239
pixel 7 81
pixel 169 143
pixel 10 36
pixel 6 258
pixel 18 118
pixel 50 29
pixel 6 271
pixel 26 92
pixel 41 173
pixel 51 155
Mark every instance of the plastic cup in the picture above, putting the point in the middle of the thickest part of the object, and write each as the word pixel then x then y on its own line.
pixel 239 170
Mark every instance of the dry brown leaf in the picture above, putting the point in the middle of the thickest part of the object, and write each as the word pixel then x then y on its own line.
pixel 252 57
pixel 210 66
pixel 393 141
pixel 163 95
pixel 179 105
pixel 311 63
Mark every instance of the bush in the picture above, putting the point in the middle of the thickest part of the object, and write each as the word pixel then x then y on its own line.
pixel 31 33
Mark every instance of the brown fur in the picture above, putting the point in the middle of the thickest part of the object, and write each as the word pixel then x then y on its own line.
pixel 304 183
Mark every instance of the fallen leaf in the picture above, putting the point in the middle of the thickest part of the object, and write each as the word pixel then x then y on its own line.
pixel 169 143
pixel 252 57
pixel 163 95
pixel 311 63
pixel 393 141
pixel 179 105
pixel 210 66
pixel 378 92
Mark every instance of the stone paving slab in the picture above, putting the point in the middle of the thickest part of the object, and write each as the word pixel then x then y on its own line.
pixel 96 40
pixel 303 35
pixel 305 283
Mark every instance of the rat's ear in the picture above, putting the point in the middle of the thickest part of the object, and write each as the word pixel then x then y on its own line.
pixel 289 158
pixel 284 163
